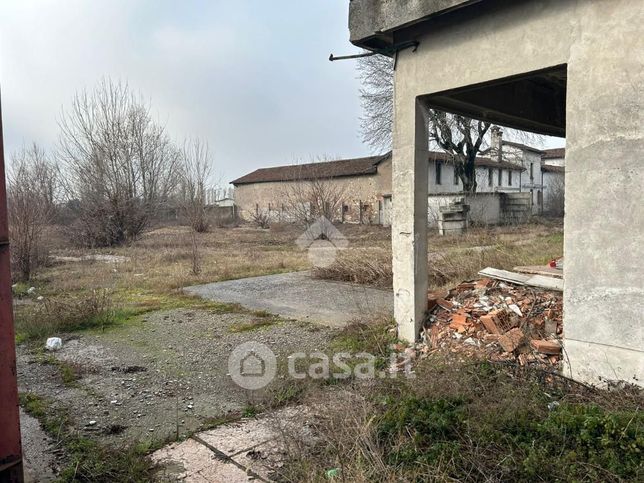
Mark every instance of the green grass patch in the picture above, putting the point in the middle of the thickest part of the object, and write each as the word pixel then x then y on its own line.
pixel 477 421
pixel 148 301
pixel 374 337
pixel 69 373
pixel 20 289
pixel 97 311
pixel 86 460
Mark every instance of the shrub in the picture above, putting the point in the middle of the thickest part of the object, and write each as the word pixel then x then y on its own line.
pixel 32 183
pixel 87 460
pixel 54 316
pixel 261 219
pixel 478 421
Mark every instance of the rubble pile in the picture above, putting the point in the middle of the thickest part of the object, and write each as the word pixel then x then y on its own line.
pixel 496 320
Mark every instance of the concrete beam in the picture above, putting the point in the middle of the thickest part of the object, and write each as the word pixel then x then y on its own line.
pixel 373 22
pixel 533 102
pixel 409 227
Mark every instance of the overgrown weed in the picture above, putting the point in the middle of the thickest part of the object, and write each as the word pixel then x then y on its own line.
pixel 477 421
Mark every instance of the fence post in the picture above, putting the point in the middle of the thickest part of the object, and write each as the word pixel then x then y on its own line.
pixel 10 445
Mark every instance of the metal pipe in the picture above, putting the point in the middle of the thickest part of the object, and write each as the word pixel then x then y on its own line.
pixel 10 445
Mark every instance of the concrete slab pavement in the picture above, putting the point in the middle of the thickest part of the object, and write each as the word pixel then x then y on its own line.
pixel 250 450
pixel 298 296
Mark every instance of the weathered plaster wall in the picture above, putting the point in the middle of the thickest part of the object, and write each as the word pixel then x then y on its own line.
pixel 271 197
pixel 448 185
pixel 601 42
pixel 485 208
pixel 366 17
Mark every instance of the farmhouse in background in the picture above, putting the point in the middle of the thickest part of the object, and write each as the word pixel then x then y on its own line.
pixel 364 186
pixel 543 175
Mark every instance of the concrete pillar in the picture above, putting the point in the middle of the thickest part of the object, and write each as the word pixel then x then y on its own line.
pixel 603 237
pixel 409 223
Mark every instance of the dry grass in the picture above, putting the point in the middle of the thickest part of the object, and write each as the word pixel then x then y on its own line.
pixel 473 421
pixel 162 259
pixel 54 316
pixel 161 262
pixel 453 259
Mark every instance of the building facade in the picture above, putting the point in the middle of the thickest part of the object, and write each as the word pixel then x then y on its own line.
pixel 361 188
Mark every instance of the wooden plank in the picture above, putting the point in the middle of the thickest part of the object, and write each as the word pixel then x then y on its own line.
pixel 540 281
pixel 540 270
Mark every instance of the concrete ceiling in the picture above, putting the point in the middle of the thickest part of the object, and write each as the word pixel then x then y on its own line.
pixel 533 102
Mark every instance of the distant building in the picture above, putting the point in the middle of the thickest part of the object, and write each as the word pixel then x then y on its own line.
pixel 365 184
pixel 543 175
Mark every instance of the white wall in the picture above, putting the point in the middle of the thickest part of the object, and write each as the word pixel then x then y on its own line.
pixel 482 180
pixel 485 208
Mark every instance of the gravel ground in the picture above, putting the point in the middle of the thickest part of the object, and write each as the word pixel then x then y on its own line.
pixel 168 368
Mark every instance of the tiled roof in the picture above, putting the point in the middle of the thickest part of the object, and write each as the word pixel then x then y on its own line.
pixel 522 146
pixel 556 153
pixel 484 162
pixel 550 168
pixel 345 167
pixel 325 169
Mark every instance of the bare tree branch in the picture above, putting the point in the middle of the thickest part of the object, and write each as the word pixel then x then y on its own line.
pixel 121 164
pixel 462 138
pixel 196 171
pixel 32 189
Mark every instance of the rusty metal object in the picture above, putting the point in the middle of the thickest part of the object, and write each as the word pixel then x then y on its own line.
pixel 10 445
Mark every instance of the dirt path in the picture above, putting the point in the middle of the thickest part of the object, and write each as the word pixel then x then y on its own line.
pixel 165 371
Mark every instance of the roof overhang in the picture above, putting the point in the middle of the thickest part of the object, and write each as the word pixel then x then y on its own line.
pixel 374 23
pixel 534 101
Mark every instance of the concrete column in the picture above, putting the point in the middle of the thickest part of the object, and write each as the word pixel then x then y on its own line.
pixel 409 223
pixel 603 237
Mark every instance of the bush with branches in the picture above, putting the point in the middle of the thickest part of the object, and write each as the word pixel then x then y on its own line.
pixel 32 185
pixel 120 163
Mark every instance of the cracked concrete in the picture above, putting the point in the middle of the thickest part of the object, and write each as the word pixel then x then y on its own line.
pixel 298 296
pixel 252 449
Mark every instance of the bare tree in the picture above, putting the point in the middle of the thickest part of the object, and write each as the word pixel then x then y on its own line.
pixel 196 171
pixel 555 196
pixel 462 138
pixel 32 185
pixel 377 98
pixel 120 163
pixel 313 193
pixel 261 218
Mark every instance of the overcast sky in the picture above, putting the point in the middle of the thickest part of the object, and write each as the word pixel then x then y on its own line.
pixel 251 77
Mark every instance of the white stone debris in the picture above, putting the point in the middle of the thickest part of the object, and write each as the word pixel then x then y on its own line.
pixel 54 343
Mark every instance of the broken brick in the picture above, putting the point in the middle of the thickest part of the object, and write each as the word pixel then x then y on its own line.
pixel 483 283
pixel 433 296
pixel 465 286
pixel 459 322
pixel 445 304
pixel 430 304
pixel 550 347
pixel 491 322
pixel 512 339
pixel 482 316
